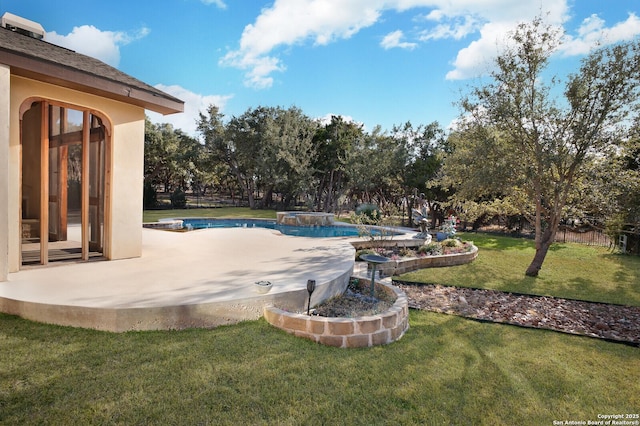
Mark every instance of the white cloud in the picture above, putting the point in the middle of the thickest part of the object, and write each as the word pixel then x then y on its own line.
pixel 457 29
pixel 291 22
pixel 326 119
pixel 593 32
pixel 477 57
pixel 485 23
pixel 90 41
pixel 392 40
pixel 219 3
pixel 194 103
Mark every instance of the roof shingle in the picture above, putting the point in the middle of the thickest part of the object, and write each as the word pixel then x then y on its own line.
pixel 39 59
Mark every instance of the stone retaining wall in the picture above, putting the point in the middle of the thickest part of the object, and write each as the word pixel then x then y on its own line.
pixel 399 267
pixel 404 242
pixel 305 218
pixel 358 332
pixel 164 224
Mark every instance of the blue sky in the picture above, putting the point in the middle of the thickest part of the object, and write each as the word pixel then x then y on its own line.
pixel 378 62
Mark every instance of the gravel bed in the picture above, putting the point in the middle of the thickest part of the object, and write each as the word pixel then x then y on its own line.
pixel 605 321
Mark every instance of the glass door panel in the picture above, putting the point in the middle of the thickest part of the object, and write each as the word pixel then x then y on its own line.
pixel 96 185
pixel 63 180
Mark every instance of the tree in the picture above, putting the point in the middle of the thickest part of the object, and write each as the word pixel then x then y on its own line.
pixel 160 155
pixel 235 145
pixel 425 146
pixel 266 149
pixel 617 183
pixel 518 140
pixel 287 152
pixel 333 145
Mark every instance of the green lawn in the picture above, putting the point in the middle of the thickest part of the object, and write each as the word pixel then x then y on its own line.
pixel 220 212
pixel 445 370
pixel 570 270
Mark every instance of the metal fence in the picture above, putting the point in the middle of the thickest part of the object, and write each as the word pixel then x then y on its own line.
pixel 590 236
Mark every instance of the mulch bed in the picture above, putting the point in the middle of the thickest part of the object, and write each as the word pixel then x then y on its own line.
pixel 605 321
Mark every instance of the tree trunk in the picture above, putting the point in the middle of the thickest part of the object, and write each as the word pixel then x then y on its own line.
pixel 542 248
pixel 327 201
pixel 251 196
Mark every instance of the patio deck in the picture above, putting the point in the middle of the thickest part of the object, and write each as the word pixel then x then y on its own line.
pixel 195 279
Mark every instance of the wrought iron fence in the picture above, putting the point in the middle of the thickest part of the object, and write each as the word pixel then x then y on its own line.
pixel 591 236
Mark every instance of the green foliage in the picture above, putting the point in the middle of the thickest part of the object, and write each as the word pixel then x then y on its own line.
pixel 371 211
pixel 178 199
pixel 371 223
pixel 516 141
pixel 333 159
pixel 222 212
pixel 252 373
pixel 150 196
pixel 430 249
pixel 264 148
pixel 172 159
pixel 574 271
pixel 407 252
pixel 451 242
pixel 362 252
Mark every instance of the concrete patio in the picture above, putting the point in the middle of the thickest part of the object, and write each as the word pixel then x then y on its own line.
pixel 194 279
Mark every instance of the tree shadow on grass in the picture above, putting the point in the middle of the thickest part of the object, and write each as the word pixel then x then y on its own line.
pixel 497 242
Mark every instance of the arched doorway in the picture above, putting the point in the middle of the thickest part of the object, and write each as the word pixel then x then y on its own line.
pixel 64 169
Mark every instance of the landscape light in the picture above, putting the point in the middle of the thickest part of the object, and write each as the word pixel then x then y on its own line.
pixel 311 286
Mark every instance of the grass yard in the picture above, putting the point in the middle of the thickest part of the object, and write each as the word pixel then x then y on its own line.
pixel 570 270
pixel 445 370
pixel 218 212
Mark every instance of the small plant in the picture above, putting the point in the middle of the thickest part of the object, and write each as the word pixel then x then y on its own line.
pixel 363 252
pixel 370 210
pixel 407 252
pixel 371 224
pixel 431 249
pixel 354 283
pixel 451 242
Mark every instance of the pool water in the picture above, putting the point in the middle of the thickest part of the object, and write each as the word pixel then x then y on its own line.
pixel 298 231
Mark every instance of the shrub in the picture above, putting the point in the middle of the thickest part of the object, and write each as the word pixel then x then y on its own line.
pixel 363 252
pixel 369 210
pixel 150 196
pixel 178 199
pixel 407 252
pixel 451 242
pixel 431 249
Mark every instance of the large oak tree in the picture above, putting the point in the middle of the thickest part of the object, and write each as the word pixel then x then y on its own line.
pixel 522 138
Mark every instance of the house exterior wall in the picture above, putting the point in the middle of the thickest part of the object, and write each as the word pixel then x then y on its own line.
pixel 123 208
pixel 4 170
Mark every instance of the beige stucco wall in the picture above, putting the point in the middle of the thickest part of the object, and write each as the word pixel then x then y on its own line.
pixel 4 171
pixel 123 227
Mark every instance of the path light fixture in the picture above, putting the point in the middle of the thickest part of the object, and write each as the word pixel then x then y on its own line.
pixel 311 286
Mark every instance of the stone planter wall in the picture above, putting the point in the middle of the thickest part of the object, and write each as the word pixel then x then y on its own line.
pixel 164 224
pixel 358 332
pixel 305 218
pixel 399 267
pixel 413 242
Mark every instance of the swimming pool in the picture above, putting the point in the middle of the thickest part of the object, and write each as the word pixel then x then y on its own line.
pixel 298 231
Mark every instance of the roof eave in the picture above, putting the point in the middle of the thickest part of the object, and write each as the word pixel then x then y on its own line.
pixel 78 80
